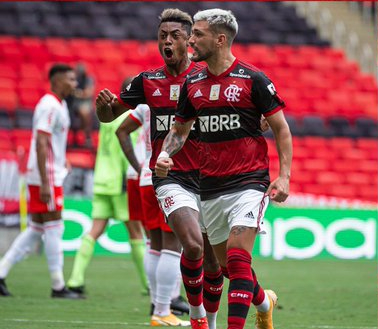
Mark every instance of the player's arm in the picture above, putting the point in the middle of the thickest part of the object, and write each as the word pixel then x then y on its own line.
pixel 108 107
pixel 123 133
pixel 42 145
pixel 279 188
pixel 173 143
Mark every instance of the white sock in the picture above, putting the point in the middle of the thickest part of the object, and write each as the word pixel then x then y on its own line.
pixel 21 246
pixel 265 305
pixel 166 277
pixel 152 261
pixel 176 292
pixel 212 320
pixel 54 252
pixel 197 312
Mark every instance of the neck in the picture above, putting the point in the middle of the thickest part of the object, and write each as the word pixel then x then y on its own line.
pixel 180 67
pixel 220 62
pixel 58 94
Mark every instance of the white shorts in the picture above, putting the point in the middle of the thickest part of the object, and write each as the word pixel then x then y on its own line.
pixel 173 196
pixel 244 208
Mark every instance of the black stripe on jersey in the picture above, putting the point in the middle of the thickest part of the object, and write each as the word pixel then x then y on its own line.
pixel 188 180
pixel 228 123
pixel 213 187
pixel 161 122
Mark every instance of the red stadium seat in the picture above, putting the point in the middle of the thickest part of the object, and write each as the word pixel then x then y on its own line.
pixel 81 158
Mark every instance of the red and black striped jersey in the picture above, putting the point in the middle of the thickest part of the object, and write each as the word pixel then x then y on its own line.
pixel 160 91
pixel 228 109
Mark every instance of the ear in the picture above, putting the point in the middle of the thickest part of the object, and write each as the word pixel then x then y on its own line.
pixel 221 40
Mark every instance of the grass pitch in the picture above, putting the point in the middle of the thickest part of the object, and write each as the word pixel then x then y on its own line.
pixel 313 294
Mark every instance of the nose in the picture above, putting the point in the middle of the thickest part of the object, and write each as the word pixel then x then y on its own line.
pixel 168 40
pixel 191 40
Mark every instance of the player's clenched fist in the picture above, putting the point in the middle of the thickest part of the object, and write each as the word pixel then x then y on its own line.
pixel 163 164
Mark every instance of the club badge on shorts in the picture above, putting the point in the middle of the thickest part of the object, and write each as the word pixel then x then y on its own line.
pixel 214 92
pixel 174 92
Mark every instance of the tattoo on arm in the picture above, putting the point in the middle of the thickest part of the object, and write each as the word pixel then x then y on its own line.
pixel 237 230
pixel 176 138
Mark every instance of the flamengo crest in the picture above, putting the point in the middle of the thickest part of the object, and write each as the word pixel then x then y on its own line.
pixel 232 93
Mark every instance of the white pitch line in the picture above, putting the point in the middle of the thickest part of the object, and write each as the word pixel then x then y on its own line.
pixel 77 322
pixel 145 324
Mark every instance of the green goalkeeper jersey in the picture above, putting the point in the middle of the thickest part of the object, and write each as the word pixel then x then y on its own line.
pixel 111 164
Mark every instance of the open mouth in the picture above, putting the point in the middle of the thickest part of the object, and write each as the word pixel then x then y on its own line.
pixel 168 52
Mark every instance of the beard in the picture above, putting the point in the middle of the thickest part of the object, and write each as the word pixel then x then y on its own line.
pixel 200 57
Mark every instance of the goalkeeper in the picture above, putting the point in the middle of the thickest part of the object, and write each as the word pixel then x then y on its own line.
pixel 109 201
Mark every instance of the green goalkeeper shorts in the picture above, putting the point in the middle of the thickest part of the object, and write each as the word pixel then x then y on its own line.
pixel 110 206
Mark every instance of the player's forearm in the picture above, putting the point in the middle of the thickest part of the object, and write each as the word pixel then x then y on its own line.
pixel 175 139
pixel 128 149
pixel 42 149
pixel 285 151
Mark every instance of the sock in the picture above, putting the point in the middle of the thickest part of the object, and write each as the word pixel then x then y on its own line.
pixel 21 246
pixel 259 298
pixel 54 252
pixel 166 278
pixel 176 292
pixel 192 277
pixel 82 258
pixel 145 262
pixel 212 293
pixel 138 249
pixel 152 257
pixel 240 292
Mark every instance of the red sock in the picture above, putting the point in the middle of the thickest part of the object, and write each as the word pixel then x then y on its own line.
pixel 240 292
pixel 192 278
pixel 258 291
pixel 212 290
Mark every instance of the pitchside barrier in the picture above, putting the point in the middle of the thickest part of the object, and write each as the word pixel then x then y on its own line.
pixel 292 232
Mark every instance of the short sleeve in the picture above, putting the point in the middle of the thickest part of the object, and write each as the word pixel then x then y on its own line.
pixel 47 116
pixel 265 96
pixel 185 110
pixel 133 94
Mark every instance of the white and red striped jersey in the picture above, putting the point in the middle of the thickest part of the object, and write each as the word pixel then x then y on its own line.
pixel 50 117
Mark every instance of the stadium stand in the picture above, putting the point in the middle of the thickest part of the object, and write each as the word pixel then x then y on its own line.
pixel 331 103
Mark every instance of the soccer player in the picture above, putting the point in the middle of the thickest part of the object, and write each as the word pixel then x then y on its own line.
pixel 109 201
pixel 45 175
pixel 153 216
pixel 228 98
pixel 177 193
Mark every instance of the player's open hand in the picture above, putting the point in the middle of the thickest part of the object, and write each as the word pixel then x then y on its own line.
pixel 105 99
pixel 278 190
pixel 162 166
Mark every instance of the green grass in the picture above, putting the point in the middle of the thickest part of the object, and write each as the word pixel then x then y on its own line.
pixel 312 294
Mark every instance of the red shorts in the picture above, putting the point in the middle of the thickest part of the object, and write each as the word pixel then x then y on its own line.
pixel 154 217
pixel 35 205
pixel 134 200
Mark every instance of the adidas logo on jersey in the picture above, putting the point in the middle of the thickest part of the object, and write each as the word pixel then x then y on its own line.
pixel 249 215
pixel 197 94
pixel 157 92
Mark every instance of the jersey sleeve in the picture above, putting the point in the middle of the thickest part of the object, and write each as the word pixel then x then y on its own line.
pixel 133 94
pixel 46 119
pixel 185 110
pixel 138 114
pixel 265 96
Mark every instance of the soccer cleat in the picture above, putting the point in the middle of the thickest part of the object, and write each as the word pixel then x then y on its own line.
pixel 179 306
pixel 170 320
pixel 3 289
pixel 66 293
pixel 199 323
pixel 264 320
pixel 79 290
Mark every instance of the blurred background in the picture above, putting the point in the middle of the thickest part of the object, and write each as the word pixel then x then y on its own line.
pixel 322 57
